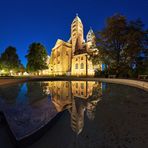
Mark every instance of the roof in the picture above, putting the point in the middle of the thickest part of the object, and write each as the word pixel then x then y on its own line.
pixel 61 42
pixel 77 18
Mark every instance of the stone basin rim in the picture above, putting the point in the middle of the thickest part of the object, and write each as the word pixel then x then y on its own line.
pixel 129 82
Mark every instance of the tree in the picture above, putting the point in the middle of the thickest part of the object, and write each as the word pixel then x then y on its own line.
pixel 0 65
pixel 21 68
pixel 137 42
pixel 111 41
pixel 9 59
pixel 119 43
pixel 37 57
pixel 143 57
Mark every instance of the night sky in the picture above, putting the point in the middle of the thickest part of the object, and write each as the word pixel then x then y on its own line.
pixel 25 21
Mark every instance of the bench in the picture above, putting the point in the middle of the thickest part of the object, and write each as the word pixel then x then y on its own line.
pixel 142 76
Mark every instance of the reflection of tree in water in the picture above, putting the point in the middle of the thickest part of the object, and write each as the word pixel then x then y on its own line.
pixel 9 93
pixel 35 91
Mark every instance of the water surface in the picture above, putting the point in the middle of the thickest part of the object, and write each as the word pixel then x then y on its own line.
pixel 96 114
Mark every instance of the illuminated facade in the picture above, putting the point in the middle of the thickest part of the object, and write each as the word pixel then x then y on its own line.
pixel 72 57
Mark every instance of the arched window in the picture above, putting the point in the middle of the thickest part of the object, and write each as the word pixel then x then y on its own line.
pixel 76 66
pixel 66 52
pixel 76 85
pixel 82 85
pixel 82 66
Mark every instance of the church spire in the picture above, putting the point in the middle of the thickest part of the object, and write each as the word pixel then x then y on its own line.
pixel 77 36
pixel 90 35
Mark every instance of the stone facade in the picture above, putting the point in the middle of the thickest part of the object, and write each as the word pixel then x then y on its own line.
pixel 61 58
pixel 81 65
pixel 72 57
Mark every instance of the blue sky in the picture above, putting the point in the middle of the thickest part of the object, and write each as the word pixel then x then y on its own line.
pixel 25 21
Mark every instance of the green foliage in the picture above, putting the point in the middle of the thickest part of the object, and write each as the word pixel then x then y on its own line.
pixel 142 65
pixel 37 57
pixel 101 74
pixel 21 68
pixel 9 60
pixel 1 65
pixel 119 43
pixel 111 40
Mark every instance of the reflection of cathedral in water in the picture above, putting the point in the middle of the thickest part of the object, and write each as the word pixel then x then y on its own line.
pixel 77 97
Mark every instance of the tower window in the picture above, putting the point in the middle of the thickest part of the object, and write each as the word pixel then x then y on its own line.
pixel 81 58
pixel 82 85
pixel 74 29
pixel 82 66
pixel 58 53
pixel 76 85
pixel 66 52
pixel 66 84
pixel 74 34
pixel 76 66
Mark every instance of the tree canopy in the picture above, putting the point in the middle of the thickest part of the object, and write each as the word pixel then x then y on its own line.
pixel 120 43
pixel 36 57
pixel 9 59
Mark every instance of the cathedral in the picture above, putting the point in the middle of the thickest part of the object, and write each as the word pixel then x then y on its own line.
pixel 73 57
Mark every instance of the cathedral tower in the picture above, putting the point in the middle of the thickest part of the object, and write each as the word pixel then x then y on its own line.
pixel 91 37
pixel 77 34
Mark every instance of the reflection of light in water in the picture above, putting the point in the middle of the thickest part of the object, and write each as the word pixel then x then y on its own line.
pixel 90 111
pixel 77 97
pixel 103 86
pixel 77 116
pixel 49 98
pixel 22 98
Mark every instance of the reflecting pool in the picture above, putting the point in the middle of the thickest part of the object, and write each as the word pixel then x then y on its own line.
pixel 94 115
